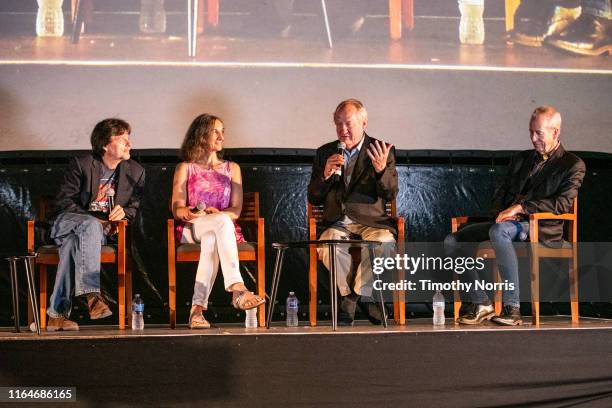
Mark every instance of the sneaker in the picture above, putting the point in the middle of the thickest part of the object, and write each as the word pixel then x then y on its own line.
pixel 61 323
pixel 510 316
pixel 98 309
pixel 477 314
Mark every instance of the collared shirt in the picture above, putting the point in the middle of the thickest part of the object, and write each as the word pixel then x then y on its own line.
pixel 350 158
pixel 351 155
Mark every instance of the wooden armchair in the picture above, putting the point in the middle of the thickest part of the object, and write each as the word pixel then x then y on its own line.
pixel 568 251
pixel 49 255
pixel 247 251
pixel 315 215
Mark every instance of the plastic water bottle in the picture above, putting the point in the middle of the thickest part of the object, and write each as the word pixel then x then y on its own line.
pixel 50 19
pixel 292 310
pixel 152 16
pixel 438 308
pixel 137 313
pixel 471 27
pixel 250 322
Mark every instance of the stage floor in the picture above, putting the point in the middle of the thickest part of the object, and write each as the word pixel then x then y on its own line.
pixel 413 326
pixel 554 365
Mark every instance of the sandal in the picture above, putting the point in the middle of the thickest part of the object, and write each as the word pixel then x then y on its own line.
pixel 246 302
pixel 197 320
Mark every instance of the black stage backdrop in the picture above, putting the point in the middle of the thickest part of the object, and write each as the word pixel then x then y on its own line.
pixel 434 186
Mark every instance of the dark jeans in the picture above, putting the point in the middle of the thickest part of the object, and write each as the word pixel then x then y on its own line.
pixel 501 235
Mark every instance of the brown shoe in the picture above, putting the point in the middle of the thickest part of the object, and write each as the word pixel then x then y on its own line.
pixel 98 309
pixel 61 323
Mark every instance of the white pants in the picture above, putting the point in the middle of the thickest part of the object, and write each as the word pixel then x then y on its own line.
pixel 364 277
pixel 215 234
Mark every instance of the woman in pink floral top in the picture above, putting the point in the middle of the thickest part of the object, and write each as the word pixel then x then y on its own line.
pixel 207 200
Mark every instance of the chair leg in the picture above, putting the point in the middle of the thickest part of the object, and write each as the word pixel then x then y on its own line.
pixel 456 301
pixel 573 280
pixel 128 290
pixel 312 286
pixel 408 13
pixel 42 290
pixel 395 19
pixel 172 292
pixel 498 293
pixel 511 6
pixel 261 289
pixel 535 287
pixel 213 13
pixel 121 298
pixel 401 301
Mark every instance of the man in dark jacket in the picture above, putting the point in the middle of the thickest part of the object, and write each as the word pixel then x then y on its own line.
pixel 84 219
pixel 353 178
pixel 545 179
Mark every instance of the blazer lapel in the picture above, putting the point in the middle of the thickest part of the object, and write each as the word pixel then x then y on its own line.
pixel 362 163
pixel 96 173
pixel 122 182
pixel 524 170
pixel 549 167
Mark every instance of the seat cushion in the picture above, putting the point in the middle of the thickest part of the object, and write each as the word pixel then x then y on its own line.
pixel 54 249
pixel 242 247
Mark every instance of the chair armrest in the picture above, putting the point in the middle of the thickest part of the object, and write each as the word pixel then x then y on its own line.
pixel 551 216
pixel 534 235
pixel 458 222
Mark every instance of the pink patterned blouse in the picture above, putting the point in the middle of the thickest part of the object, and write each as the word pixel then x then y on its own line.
pixel 210 187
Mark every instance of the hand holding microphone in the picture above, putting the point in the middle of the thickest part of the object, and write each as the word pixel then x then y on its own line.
pixel 335 163
pixel 115 213
pixel 198 208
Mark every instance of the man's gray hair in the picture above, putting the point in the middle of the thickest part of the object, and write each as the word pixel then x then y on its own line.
pixel 552 115
pixel 361 110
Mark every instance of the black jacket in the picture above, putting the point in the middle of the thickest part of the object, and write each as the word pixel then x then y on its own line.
pixel 552 190
pixel 82 179
pixel 363 200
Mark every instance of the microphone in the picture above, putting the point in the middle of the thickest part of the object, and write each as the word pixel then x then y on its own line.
pixel 201 206
pixel 110 199
pixel 338 172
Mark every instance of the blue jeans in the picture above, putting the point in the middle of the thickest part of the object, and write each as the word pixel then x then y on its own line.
pixel 80 237
pixel 501 235
pixel 599 8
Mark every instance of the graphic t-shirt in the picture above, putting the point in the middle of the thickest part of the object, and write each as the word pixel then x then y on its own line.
pixel 108 186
